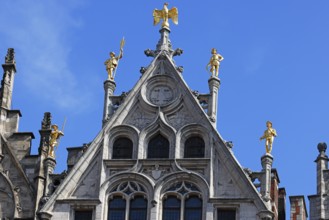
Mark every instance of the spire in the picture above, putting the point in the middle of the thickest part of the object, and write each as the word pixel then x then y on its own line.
pixel 164 44
pixel 10 58
pixel 7 83
pixel 45 165
pixel 164 41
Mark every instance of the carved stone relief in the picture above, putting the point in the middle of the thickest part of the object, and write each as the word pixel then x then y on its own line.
pixel 156 171
pixel 7 205
pixel 140 118
pixel 180 118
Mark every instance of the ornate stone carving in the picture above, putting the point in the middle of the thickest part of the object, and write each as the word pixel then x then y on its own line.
pixel 128 188
pixel 149 53
pixel 6 197
pixel 142 70
pixel 43 201
pixel 10 57
pixel 161 95
pixel 180 118
pixel 178 52
pixel 140 119
pixel 46 122
pixel 17 199
pixel 180 69
pixel 156 171
pixel 7 77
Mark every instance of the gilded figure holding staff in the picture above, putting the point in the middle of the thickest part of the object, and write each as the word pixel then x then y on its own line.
pixel 113 62
pixel 54 139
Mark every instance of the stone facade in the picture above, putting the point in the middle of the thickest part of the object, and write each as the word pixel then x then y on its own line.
pixel 157 156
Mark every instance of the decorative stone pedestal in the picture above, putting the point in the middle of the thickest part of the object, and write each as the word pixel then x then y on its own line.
pixel 265 189
pixel 214 84
pixel 109 87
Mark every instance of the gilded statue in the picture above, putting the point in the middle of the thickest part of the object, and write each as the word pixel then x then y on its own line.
pixel 54 138
pixel 269 135
pixel 165 14
pixel 214 62
pixel 113 62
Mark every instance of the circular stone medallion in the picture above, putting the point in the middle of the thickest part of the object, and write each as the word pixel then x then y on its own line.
pixel 161 95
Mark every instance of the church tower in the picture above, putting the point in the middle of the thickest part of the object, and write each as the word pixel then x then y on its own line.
pixel 158 155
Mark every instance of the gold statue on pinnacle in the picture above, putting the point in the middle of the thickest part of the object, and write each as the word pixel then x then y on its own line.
pixel 54 139
pixel 214 62
pixel 165 14
pixel 269 135
pixel 113 62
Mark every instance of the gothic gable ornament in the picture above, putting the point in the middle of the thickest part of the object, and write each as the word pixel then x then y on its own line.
pixel 163 113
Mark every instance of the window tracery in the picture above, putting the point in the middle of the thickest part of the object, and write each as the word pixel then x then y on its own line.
pixel 128 199
pixel 182 199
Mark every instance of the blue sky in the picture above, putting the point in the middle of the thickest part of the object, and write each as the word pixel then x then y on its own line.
pixel 275 68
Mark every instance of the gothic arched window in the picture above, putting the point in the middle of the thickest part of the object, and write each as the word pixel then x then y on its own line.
pixel 182 199
pixel 193 208
pixel 171 208
pixel 117 208
pixel 138 208
pixel 122 148
pixel 158 147
pixel 194 147
pixel 127 198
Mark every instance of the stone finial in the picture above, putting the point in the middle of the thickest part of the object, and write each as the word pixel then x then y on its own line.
pixel 46 122
pixel 322 147
pixel 10 57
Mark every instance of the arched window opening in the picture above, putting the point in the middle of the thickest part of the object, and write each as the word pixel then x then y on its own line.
pixel 122 148
pixel 158 147
pixel 193 208
pixel 194 148
pixel 184 200
pixel 171 208
pixel 138 208
pixel 117 208
pixel 129 200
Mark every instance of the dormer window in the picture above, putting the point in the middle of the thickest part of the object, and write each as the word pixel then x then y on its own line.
pixel 194 147
pixel 122 148
pixel 158 147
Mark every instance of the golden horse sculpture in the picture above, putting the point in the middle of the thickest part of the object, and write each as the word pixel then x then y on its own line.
pixel 165 14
